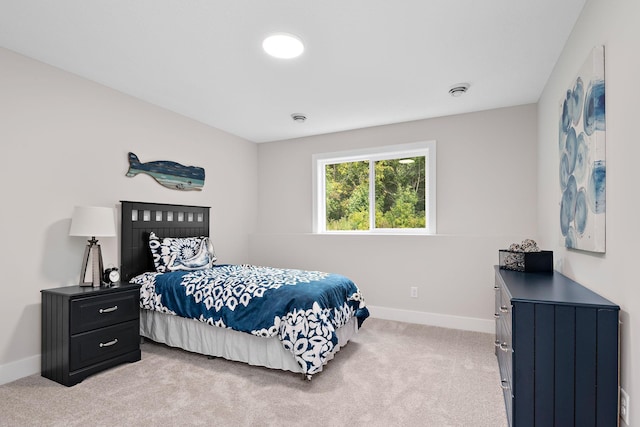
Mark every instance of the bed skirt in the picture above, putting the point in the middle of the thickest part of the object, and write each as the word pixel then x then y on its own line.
pixel 199 337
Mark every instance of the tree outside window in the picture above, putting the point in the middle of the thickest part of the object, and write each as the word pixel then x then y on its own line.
pixel 394 186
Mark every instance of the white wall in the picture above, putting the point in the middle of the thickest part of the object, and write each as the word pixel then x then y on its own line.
pixel 614 274
pixel 64 143
pixel 486 199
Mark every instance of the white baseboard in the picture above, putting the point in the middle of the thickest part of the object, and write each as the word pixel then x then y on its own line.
pixel 31 365
pixel 20 368
pixel 433 319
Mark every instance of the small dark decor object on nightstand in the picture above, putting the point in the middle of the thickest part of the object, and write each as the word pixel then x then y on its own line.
pixel 111 276
pixel 526 257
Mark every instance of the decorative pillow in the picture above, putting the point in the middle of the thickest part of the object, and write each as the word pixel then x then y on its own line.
pixel 181 253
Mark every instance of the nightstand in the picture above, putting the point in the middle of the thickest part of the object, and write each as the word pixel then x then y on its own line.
pixel 87 330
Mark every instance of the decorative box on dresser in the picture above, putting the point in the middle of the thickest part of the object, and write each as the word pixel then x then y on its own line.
pixel 87 330
pixel 557 349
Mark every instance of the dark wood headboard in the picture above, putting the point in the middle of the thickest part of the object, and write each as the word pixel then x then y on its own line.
pixel 139 219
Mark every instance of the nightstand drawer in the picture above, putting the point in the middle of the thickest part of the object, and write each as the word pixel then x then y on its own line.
pixel 103 310
pixel 96 346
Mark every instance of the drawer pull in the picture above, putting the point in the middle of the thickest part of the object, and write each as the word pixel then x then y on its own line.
pixel 504 346
pixel 496 315
pixel 504 384
pixel 108 310
pixel 496 343
pixel 109 344
pixel 504 309
pixel 496 287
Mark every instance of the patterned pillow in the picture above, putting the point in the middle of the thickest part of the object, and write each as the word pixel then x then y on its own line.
pixel 181 253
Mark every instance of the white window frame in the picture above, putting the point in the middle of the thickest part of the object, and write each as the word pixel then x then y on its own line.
pixel 400 151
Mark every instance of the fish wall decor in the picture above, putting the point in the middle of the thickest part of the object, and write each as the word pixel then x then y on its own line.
pixel 169 174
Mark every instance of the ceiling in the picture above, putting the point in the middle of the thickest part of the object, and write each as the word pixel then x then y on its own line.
pixel 366 63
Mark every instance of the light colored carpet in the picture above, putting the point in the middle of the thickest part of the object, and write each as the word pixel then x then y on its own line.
pixel 390 374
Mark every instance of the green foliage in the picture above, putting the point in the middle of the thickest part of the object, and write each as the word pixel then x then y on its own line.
pixel 399 194
pixel 347 198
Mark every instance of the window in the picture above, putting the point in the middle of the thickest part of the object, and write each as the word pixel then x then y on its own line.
pixel 382 190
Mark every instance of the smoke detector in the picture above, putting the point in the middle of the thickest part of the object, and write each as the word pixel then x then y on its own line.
pixel 298 117
pixel 459 89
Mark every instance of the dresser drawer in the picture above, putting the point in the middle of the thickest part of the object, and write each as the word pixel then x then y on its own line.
pixel 103 310
pixel 505 312
pixel 504 343
pixel 96 346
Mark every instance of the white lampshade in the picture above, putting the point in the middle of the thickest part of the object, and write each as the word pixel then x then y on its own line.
pixel 92 221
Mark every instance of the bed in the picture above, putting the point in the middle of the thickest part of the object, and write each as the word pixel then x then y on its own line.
pixel 292 320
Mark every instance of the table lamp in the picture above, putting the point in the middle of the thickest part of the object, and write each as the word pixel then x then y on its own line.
pixel 90 221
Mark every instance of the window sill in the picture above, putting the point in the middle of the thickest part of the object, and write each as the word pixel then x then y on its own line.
pixel 374 233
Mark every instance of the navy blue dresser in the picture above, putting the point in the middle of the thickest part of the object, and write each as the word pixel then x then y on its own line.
pixel 557 348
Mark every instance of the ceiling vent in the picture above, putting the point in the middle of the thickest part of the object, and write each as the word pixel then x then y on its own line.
pixel 459 89
pixel 298 117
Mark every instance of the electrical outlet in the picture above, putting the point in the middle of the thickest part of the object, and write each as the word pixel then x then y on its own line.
pixel 414 292
pixel 624 406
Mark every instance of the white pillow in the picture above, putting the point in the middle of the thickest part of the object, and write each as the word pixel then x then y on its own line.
pixel 181 253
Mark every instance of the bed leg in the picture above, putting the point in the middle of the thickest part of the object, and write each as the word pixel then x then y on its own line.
pixel 141 340
pixel 306 377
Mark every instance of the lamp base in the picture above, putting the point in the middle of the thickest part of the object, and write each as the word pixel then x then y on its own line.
pixel 93 251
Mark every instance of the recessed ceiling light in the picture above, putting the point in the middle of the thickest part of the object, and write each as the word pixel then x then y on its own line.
pixel 459 89
pixel 283 46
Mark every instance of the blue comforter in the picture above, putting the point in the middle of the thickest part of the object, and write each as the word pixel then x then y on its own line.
pixel 302 308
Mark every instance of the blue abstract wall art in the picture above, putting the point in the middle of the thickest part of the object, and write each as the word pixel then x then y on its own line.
pixel 169 174
pixel 582 158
